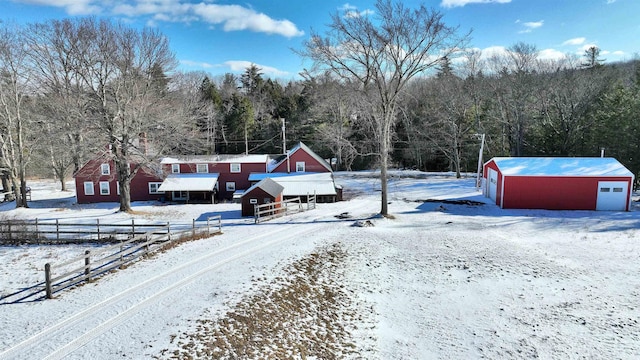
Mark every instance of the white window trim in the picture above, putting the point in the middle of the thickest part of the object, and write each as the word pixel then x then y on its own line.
pixel 105 169
pixel 108 188
pixel 230 186
pixel 232 165
pixel 298 165
pixel 88 185
pixel 157 185
pixel 175 168
pixel 206 168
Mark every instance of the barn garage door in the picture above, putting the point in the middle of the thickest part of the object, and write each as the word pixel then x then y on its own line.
pixel 612 195
pixel 492 185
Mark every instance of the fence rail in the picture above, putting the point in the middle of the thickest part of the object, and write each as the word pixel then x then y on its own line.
pixel 94 263
pixel 55 231
pixel 277 209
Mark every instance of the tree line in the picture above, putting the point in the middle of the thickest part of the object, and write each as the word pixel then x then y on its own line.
pixel 73 88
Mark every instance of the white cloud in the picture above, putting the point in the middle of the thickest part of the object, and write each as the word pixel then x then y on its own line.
pixel 231 17
pixel 72 7
pixel 619 53
pixel 460 3
pixel 531 25
pixel 575 41
pixel 611 1
pixel 551 54
pixel 203 65
pixel 494 51
pixel 242 65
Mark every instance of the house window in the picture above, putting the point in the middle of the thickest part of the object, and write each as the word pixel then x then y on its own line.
pixel 180 195
pixel 104 169
pixel 118 188
pixel 175 168
pixel 202 168
pixel 235 168
pixel 253 201
pixel 88 188
pixel 104 188
pixel 605 189
pixel 231 186
pixel 153 188
pixel 616 189
pixel 299 166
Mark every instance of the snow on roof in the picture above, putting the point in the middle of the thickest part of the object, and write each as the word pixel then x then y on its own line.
pixel 301 184
pixel 561 166
pixel 268 185
pixel 189 182
pixel 239 158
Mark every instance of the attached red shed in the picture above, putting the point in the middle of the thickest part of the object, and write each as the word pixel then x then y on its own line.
pixel 558 183
pixel 300 159
pixel 264 192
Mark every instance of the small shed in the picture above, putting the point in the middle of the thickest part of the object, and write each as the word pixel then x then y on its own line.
pixel 264 192
pixel 558 183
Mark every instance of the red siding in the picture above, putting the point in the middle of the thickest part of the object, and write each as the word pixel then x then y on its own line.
pixel 90 172
pixel 259 195
pixel 554 193
pixel 241 179
pixel 311 164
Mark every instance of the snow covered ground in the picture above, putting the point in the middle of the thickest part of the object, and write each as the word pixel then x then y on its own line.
pixel 438 280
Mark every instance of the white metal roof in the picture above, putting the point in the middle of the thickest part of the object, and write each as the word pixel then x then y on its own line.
pixel 189 182
pixel 301 184
pixel 560 166
pixel 240 158
pixel 268 185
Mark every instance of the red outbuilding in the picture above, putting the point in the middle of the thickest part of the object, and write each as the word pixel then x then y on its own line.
pixel 558 183
pixel 266 191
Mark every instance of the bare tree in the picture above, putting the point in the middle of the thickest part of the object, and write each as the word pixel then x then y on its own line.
pixel 16 95
pixel 123 71
pixel 333 112
pixel 62 102
pixel 381 54
pixel 514 89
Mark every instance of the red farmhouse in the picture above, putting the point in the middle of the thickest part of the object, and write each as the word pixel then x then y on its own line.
pixel 97 181
pixel 558 183
pixel 192 178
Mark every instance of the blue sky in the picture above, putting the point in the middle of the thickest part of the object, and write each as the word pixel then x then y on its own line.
pixel 228 35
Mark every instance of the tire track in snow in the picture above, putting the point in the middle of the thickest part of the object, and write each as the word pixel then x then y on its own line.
pixel 44 339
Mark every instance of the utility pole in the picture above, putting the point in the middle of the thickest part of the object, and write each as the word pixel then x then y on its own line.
pixel 284 144
pixel 480 160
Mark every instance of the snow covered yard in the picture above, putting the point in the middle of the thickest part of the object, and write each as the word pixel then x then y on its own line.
pixel 439 280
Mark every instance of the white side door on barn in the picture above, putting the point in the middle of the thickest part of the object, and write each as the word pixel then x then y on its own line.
pixel 612 195
pixel 492 184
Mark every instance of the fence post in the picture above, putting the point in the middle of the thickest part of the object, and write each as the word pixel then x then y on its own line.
pixel 193 228
pixel 256 214
pixel 58 230
pixel 220 224
pixel 98 228
pixel 168 231
pixel 133 228
pixel 87 263
pixel 9 227
pixel 208 226
pixel 47 280
pixel 37 232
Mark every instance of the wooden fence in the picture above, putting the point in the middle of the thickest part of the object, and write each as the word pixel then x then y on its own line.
pixel 94 263
pixel 274 210
pixel 54 231
pixel 98 262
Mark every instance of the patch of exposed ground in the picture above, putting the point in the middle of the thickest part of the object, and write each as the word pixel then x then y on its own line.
pixel 305 313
